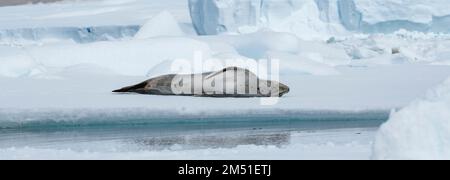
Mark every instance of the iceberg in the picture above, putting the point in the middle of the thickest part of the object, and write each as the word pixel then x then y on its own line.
pixel 318 19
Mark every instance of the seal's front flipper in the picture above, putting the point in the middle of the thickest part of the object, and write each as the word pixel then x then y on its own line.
pixel 135 88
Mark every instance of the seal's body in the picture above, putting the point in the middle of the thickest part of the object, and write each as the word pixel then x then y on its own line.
pixel 229 82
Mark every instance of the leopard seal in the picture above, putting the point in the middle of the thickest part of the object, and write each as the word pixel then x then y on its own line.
pixel 228 82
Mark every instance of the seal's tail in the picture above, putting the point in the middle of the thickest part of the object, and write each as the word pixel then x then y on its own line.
pixel 133 88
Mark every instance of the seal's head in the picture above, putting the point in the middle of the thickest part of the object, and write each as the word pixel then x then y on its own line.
pixel 283 89
pixel 272 88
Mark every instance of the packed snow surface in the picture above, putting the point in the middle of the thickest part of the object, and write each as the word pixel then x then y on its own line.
pixel 163 24
pixel 418 131
pixel 350 73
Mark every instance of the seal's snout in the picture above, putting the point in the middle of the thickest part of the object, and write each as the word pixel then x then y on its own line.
pixel 283 89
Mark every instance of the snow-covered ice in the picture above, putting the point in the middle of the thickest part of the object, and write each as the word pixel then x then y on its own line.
pixel 163 24
pixel 90 13
pixel 418 131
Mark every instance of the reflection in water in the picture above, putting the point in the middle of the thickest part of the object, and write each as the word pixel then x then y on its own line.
pixel 138 133
pixel 210 141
